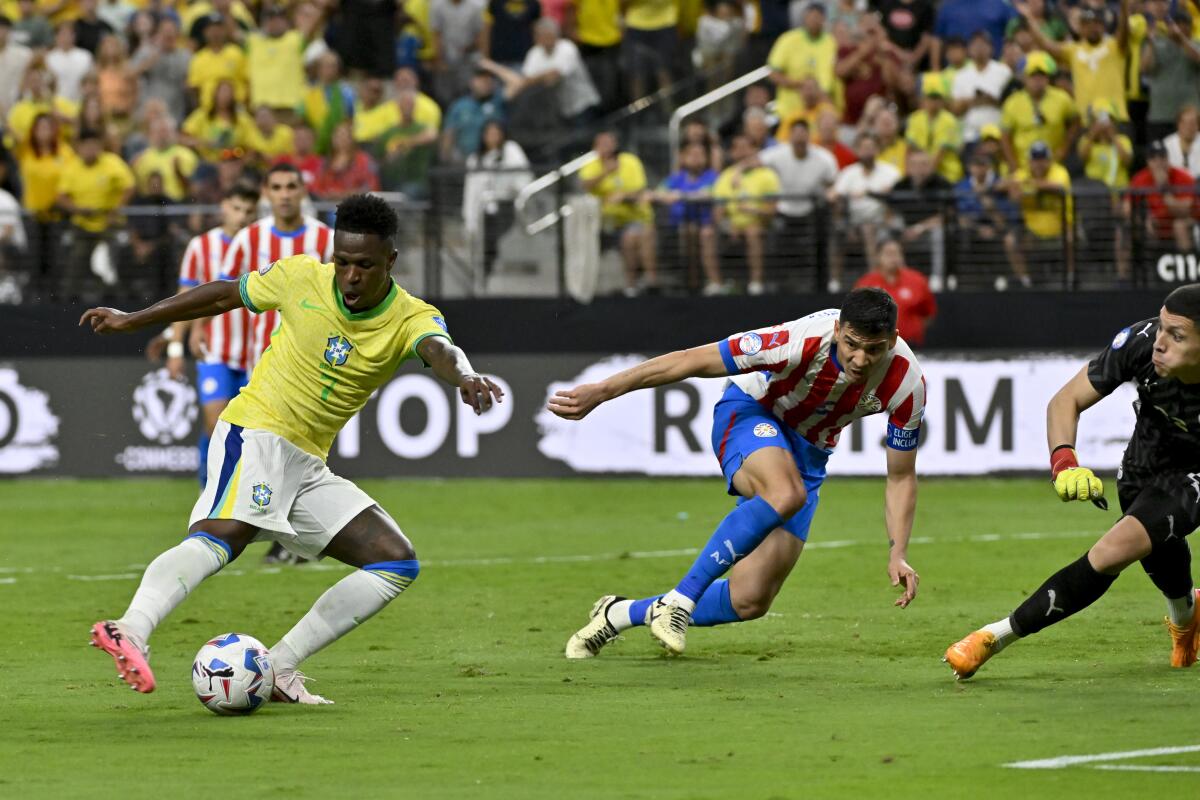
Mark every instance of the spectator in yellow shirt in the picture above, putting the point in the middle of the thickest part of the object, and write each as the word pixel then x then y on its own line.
pixel 1038 113
pixel 618 180
pixel 935 130
pixel 38 97
pixel 1098 61
pixel 219 60
pixel 812 102
pixel 92 189
pixel 164 156
pixel 1043 192
pixel 225 126
pixel 328 101
pixel 41 159
pixel 374 116
pixel 269 138
pixel 805 51
pixel 746 195
pixel 275 63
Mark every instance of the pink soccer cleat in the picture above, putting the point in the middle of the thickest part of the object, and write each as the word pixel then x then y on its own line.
pixel 289 688
pixel 132 666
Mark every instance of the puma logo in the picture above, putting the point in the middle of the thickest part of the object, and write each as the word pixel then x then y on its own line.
pixel 1053 608
pixel 734 555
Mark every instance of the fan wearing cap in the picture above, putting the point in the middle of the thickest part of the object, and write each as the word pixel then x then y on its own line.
pixel 935 130
pixel 1098 61
pixel 1040 189
pixel 1038 113
pixel 1168 211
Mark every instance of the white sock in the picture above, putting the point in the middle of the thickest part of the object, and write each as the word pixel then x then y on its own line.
pixel 167 581
pixel 1003 632
pixel 1180 609
pixel 618 615
pixel 347 604
pixel 675 598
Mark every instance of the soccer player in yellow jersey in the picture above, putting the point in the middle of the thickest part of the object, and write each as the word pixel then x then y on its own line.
pixel 349 326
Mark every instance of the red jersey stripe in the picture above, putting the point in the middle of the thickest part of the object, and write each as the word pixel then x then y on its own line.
pixel 822 385
pixel 779 388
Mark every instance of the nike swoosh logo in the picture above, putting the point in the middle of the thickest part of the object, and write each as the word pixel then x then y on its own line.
pixel 307 306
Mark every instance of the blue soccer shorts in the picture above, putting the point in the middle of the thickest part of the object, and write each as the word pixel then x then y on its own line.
pixel 219 382
pixel 741 426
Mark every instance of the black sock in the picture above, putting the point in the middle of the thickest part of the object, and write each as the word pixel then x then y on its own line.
pixel 1169 566
pixel 1073 588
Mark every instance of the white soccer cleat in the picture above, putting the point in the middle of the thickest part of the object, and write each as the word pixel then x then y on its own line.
pixel 290 688
pixel 588 640
pixel 669 624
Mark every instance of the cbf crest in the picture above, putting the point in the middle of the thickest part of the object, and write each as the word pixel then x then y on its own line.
pixel 260 495
pixel 337 350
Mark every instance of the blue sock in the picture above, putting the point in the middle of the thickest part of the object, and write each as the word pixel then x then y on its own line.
pixel 203 471
pixel 713 608
pixel 742 530
pixel 637 611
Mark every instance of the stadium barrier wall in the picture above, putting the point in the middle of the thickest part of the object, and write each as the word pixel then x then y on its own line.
pixel 985 415
pixel 966 321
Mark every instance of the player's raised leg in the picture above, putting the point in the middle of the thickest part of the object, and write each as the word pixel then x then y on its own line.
pixel 1066 592
pixel 386 566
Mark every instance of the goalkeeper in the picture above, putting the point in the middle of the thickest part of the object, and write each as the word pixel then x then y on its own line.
pixel 1158 484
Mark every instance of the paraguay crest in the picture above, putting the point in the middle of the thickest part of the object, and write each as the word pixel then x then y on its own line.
pixel 337 350
pixel 260 495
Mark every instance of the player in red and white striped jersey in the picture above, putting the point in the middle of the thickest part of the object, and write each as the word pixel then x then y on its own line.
pixel 793 388
pixel 287 232
pixel 220 345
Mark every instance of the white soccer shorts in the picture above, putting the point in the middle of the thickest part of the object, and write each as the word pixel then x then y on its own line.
pixel 264 480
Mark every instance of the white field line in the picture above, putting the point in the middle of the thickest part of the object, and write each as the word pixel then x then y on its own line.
pixel 1059 762
pixel 584 558
pixel 1144 768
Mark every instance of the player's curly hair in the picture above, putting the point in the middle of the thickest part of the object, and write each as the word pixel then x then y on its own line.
pixel 870 312
pixel 366 213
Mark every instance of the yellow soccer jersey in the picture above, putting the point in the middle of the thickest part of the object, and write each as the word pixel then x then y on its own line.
pixel 324 360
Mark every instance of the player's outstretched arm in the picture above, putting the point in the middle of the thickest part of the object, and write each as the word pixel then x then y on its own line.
pixel 899 507
pixel 451 364
pixel 698 362
pixel 206 300
pixel 1071 481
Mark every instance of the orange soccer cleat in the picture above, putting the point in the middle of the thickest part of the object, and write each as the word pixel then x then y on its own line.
pixel 1185 638
pixel 967 655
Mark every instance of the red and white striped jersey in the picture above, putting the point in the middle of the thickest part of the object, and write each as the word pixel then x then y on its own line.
pixel 792 369
pixel 227 335
pixel 259 245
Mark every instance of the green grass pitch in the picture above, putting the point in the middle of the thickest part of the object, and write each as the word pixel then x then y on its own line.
pixel 459 689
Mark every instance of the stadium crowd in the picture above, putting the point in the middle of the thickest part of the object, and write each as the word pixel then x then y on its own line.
pixel 981 121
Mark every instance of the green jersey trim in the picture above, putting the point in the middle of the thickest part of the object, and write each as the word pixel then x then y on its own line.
pixel 370 313
pixel 246 295
pixel 425 336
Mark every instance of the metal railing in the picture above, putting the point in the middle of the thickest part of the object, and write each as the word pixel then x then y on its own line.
pixel 704 101
pixel 1100 239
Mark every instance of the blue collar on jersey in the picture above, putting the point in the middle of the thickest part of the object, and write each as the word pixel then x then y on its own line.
pixel 833 356
pixel 226 238
pixel 288 234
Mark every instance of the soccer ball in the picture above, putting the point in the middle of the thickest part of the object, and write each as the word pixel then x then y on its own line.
pixel 232 674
